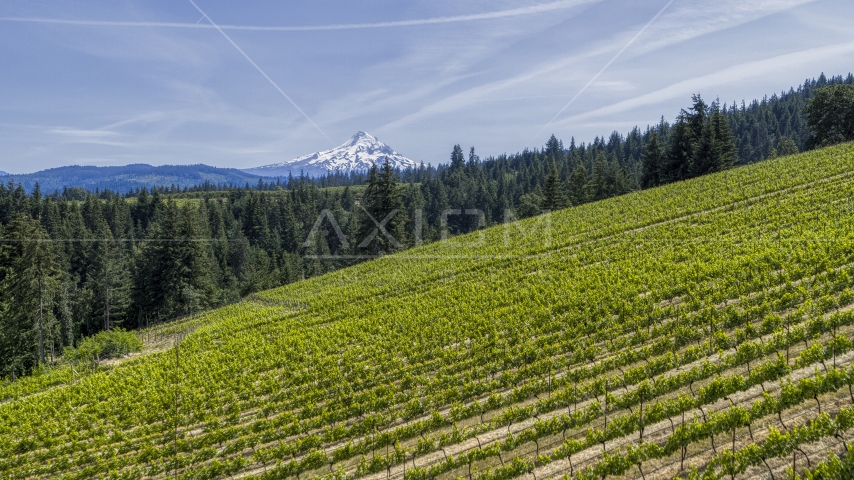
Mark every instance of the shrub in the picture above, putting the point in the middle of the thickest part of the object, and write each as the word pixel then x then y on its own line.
pixel 109 344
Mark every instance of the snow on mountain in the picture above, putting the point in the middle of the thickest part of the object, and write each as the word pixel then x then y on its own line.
pixel 357 155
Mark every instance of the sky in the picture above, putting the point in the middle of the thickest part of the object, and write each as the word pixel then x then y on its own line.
pixel 250 83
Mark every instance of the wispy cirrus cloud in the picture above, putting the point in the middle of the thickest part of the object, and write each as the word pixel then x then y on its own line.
pixel 89 137
pixel 685 21
pixel 76 133
pixel 736 73
pixel 423 74
pixel 690 19
pixel 514 12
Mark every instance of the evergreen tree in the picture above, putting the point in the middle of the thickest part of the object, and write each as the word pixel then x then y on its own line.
pixel 436 195
pixel 36 201
pixel 679 154
pixel 703 158
pixel 107 283
pixel 194 281
pixel 316 256
pixel 382 203
pixel 554 197
pixel 653 162
pixel 617 179
pixel 473 162
pixel 413 198
pixel 554 149
pixel 458 160
pixel 599 184
pixel 724 149
pixel 173 275
pixel 29 282
pixel 697 116
pixel 578 185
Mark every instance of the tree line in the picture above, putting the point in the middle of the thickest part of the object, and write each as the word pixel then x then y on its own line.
pixel 76 263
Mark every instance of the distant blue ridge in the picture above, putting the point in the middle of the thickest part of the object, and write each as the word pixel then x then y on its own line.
pixel 123 179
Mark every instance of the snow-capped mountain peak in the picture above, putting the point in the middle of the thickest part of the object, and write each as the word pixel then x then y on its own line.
pixel 363 137
pixel 356 155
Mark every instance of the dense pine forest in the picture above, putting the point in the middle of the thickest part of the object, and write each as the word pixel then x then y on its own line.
pixel 75 263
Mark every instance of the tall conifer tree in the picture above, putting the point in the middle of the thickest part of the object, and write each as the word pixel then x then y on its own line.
pixel 578 185
pixel 382 203
pixel 554 198
pixel 653 162
pixel 29 282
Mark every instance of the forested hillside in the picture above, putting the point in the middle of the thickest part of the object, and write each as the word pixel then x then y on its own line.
pixel 701 329
pixel 128 178
pixel 74 263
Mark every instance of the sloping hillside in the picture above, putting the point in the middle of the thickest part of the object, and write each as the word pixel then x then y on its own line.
pixel 703 324
pixel 129 177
